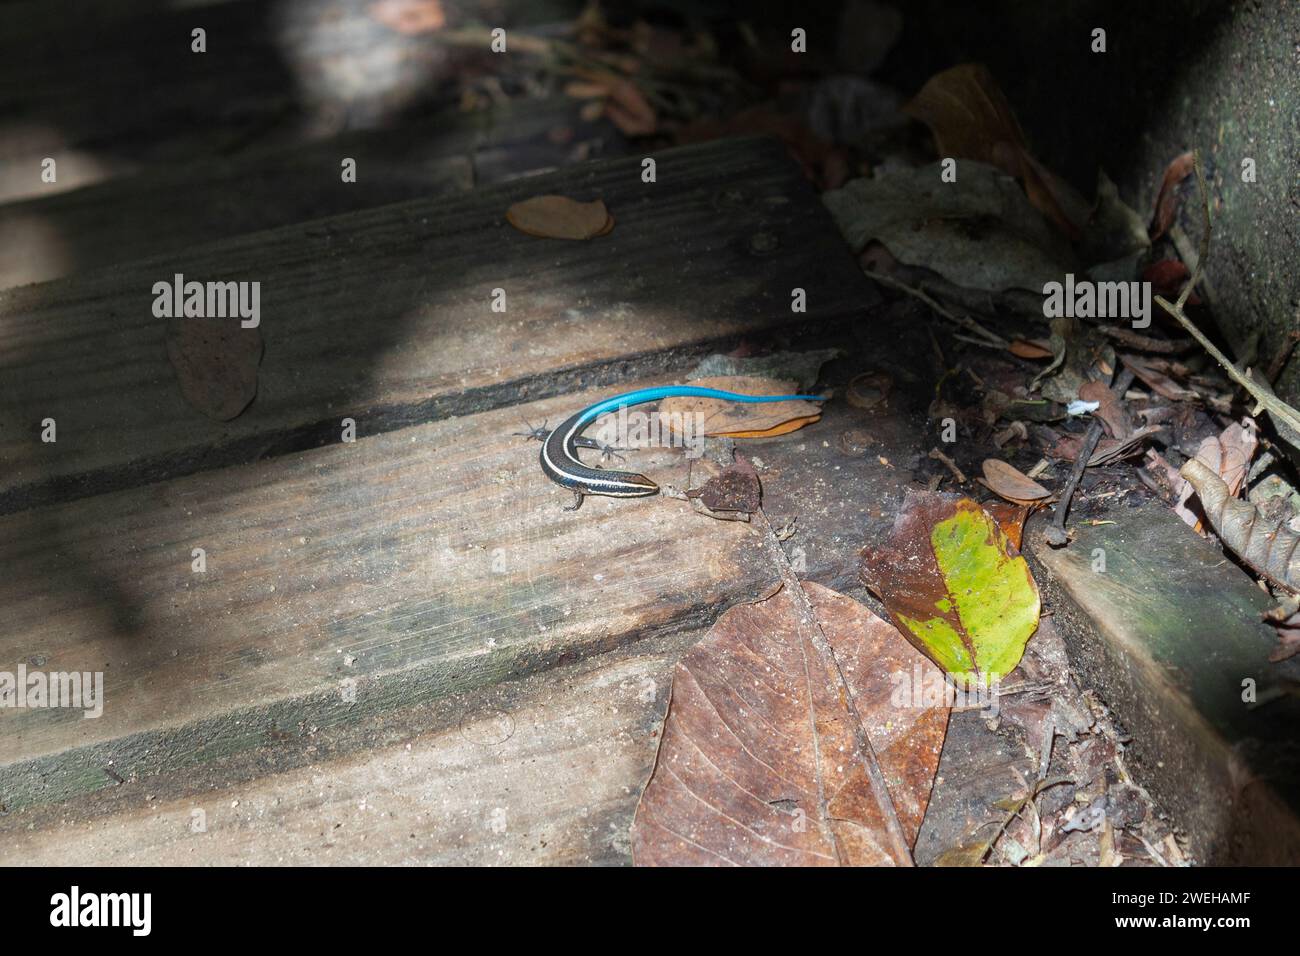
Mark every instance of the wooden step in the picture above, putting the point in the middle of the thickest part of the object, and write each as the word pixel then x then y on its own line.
pixel 385 316
pixel 113 89
pixel 543 770
pixel 1168 631
pixel 408 566
pixel 179 205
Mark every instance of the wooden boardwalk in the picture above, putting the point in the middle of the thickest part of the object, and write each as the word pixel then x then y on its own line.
pixel 413 606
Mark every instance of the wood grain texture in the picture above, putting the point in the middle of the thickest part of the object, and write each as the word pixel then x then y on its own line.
pixel 113 89
pixel 385 315
pixel 1167 633
pixel 175 206
pixel 545 770
pixel 416 563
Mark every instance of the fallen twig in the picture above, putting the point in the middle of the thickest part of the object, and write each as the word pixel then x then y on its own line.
pixel 1279 409
pixel 1056 534
pixel 965 321
pixel 1145 343
pixel 951 465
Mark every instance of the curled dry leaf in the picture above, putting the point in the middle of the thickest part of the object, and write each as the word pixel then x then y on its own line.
pixel 1286 618
pixel 1159 382
pixel 758 763
pixel 736 419
pixel 410 17
pixel 1011 519
pixel 971 119
pixel 1108 449
pixel 1267 547
pixel 955 586
pixel 216 362
pixel 1030 349
pixel 1113 417
pixel 736 489
pixel 1011 483
pixel 1167 200
pixel 559 217
pixel 1229 455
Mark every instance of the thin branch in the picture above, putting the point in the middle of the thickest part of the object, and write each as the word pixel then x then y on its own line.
pixel 1145 343
pixel 1055 533
pixel 965 321
pixel 1275 406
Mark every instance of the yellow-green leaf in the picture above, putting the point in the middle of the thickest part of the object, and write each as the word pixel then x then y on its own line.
pixel 955 586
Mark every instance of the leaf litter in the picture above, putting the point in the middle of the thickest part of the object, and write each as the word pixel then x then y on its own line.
pixel 758 765
pixel 979 262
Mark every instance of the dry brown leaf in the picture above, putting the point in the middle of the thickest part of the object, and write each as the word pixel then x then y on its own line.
pixel 736 420
pixel 625 104
pixel 971 119
pixel 1030 349
pixel 1229 455
pixel 1110 412
pixel 735 489
pixel 1167 200
pixel 1270 548
pixel 1159 382
pixel 758 763
pixel 559 217
pixel 1167 278
pixel 410 17
pixel 1108 449
pixel 793 425
pixel 1011 483
pixel 1011 519
pixel 216 362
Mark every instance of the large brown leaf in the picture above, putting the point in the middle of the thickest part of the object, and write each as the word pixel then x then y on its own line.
pixel 970 118
pixel 758 763
pixel 955 585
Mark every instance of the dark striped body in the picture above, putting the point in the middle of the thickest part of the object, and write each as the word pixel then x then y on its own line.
pixel 560 461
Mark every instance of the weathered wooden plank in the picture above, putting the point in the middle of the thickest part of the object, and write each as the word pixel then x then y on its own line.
pixel 1168 631
pixel 106 88
pixel 545 770
pixel 385 316
pixel 414 563
pixel 176 206
pixel 111 89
